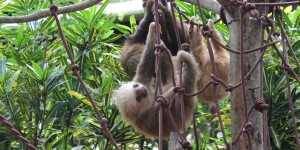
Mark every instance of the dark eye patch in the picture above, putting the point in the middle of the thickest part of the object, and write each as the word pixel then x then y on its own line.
pixel 135 85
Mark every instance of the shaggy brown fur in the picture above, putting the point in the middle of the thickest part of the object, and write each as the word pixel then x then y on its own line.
pixel 135 43
pixel 199 50
pixel 135 100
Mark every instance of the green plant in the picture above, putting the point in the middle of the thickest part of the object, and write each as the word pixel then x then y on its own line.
pixel 279 119
pixel 42 98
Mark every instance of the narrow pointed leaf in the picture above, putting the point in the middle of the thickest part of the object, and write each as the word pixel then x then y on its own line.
pixel 3 67
pixel 275 137
pixel 12 81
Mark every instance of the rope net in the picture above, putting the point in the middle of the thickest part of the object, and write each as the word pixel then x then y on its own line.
pixel 273 37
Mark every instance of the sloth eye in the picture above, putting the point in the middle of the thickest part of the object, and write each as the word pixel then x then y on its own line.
pixel 135 85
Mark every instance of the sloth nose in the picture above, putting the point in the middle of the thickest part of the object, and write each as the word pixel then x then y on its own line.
pixel 142 92
pixel 145 92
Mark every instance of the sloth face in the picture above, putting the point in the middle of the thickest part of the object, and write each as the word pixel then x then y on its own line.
pixel 140 91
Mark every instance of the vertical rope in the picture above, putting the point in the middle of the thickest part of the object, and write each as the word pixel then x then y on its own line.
pixel 75 69
pixel 285 42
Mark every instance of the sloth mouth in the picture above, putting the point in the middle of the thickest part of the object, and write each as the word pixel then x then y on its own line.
pixel 138 99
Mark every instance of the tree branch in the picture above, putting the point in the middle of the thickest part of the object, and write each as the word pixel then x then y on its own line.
pixel 212 5
pixel 46 12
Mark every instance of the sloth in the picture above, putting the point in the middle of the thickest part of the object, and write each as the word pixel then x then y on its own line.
pixel 222 61
pixel 135 99
pixel 199 50
pixel 135 43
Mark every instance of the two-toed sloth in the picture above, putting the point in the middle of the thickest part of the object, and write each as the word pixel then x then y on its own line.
pixel 135 44
pixel 222 61
pixel 135 99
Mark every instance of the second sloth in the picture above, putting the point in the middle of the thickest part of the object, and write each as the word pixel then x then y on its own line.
pixel 135 99
pixel 135 44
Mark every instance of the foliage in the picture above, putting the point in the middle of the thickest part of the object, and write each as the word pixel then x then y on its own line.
pixel 38 93
pixel 275 87
pixel 41 98
pixel 279 118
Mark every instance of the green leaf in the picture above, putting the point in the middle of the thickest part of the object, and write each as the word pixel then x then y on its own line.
pixel 21 3
pixel 111 55
pixel 132 21
pixel 107 84
pixel 99 14
pixel 113 38
pixel 206 139
pixel 222 28
pixel 31 3
pixel 287 20
pixel 12 8
pixel 296 18
pixel 12 81
pixel 36 69
pixel 45 74
pixel 108 24
pixel 122 28
pixel 46 24
pixel 296 45
pixel 20 36
pixel 79 17
pixel 72 36
pixel 275 137
pixel 184 6
pixel 80 97
pixel 2 5
pixel 3 67
pixel 36 54
pixel 104 5
pixel 107 34
pixel 87 15
pixel 54 79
